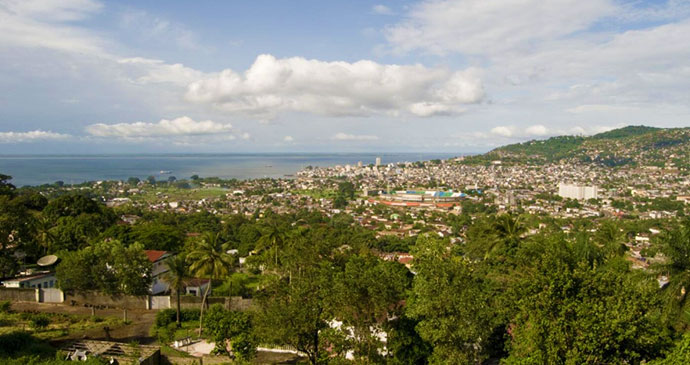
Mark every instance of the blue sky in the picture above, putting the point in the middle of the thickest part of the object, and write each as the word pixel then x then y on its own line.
pixel 85 76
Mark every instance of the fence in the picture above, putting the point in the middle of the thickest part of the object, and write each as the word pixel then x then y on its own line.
pixel 88 299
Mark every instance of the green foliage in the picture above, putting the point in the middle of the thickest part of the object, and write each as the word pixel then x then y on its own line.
pixel 629 131
pixel 366 293
pixel 675 246
pixel 71 205
pixel 405 344
pixel 109 267
pixel 5 306
pixel 679 355
pixel 18 344
pixel 6 188
pixel 237 284
pixel 39 321
pixel 156 236
pixel 165 317
pixel 452 303
pixel 295 312
pixel 633 145
pixel 570 310
pixel 234 327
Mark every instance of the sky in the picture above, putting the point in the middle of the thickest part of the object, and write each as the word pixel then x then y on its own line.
pixel 89 76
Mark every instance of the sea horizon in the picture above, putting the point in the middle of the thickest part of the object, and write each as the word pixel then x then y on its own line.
pixel 39 169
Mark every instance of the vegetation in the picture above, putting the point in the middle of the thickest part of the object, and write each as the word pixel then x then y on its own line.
pixel 632 145
pixel 509 288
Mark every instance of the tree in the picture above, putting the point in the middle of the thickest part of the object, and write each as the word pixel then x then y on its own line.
pixel 571 311
pixel 365 294
pixel 233 327
pixel 509 230
pixel 71 205
pixel 109 267
pixel 404 344
pixel 209 260
pixel 6 188
pixel 176 278
pixel 454 305
pixel 156 236
pixel 295 313
pixel 610 237
pixel 131 266
pixel 272 237
pixel 675 245
pixel 133 181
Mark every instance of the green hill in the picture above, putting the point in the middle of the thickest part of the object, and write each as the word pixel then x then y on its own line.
pixel 628 146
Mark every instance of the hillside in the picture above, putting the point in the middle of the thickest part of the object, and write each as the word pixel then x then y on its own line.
pixel 628 146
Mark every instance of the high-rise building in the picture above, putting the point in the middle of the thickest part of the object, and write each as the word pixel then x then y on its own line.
pixel 378 161
pixel 579 192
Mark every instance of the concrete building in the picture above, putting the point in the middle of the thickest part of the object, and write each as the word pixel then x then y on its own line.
pixel 158 258
pixel 43 280
pixel 378 161
pixel 579 192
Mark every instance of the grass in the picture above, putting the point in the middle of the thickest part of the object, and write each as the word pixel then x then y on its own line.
pixel 317 193
pixel 155 194
pixel 60 325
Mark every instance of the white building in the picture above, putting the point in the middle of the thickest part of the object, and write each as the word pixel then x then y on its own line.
pixel 43 280
pixel 158 258
pixel 378 161
pixel 579 192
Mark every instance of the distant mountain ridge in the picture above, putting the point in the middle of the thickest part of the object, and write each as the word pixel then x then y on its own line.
pixel 628 146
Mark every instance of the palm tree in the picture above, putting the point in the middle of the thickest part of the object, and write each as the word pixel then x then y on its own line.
pixel 175 276
pixel 44 234
pixel 508 230
pixel 676 248
pixel 272 237
pixel 209 260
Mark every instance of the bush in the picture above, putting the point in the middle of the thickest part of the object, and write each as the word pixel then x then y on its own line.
pixel 40 321
pixel 167 316
pixel 19 343
pixel 5 306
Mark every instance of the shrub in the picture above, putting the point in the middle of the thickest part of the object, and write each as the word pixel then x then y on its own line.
pixel 40 321
pixel 16 344
pixel 167 316
pixel 5 306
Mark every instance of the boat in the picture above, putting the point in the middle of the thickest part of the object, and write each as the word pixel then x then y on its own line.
pixel 165 172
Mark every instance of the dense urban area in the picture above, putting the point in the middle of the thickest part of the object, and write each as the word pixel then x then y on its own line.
pixel 569 250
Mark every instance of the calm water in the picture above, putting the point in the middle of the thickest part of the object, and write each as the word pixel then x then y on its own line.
pixel 37 170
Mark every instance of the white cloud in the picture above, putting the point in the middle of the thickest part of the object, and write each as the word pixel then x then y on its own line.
pixel 43 24
pixel 157 71
pixel 353 137
pixel 288 139
pixel 479 27
pixel 183 126
pixel 31 136
pixel 382 9
pixel 502 131
pixel 536 130
pixel 361 88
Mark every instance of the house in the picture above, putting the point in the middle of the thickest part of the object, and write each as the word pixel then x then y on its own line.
pixel 158 258
pixel 196 286
pixel 43 280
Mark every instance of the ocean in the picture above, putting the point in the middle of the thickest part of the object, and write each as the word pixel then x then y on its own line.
pixel 73 169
